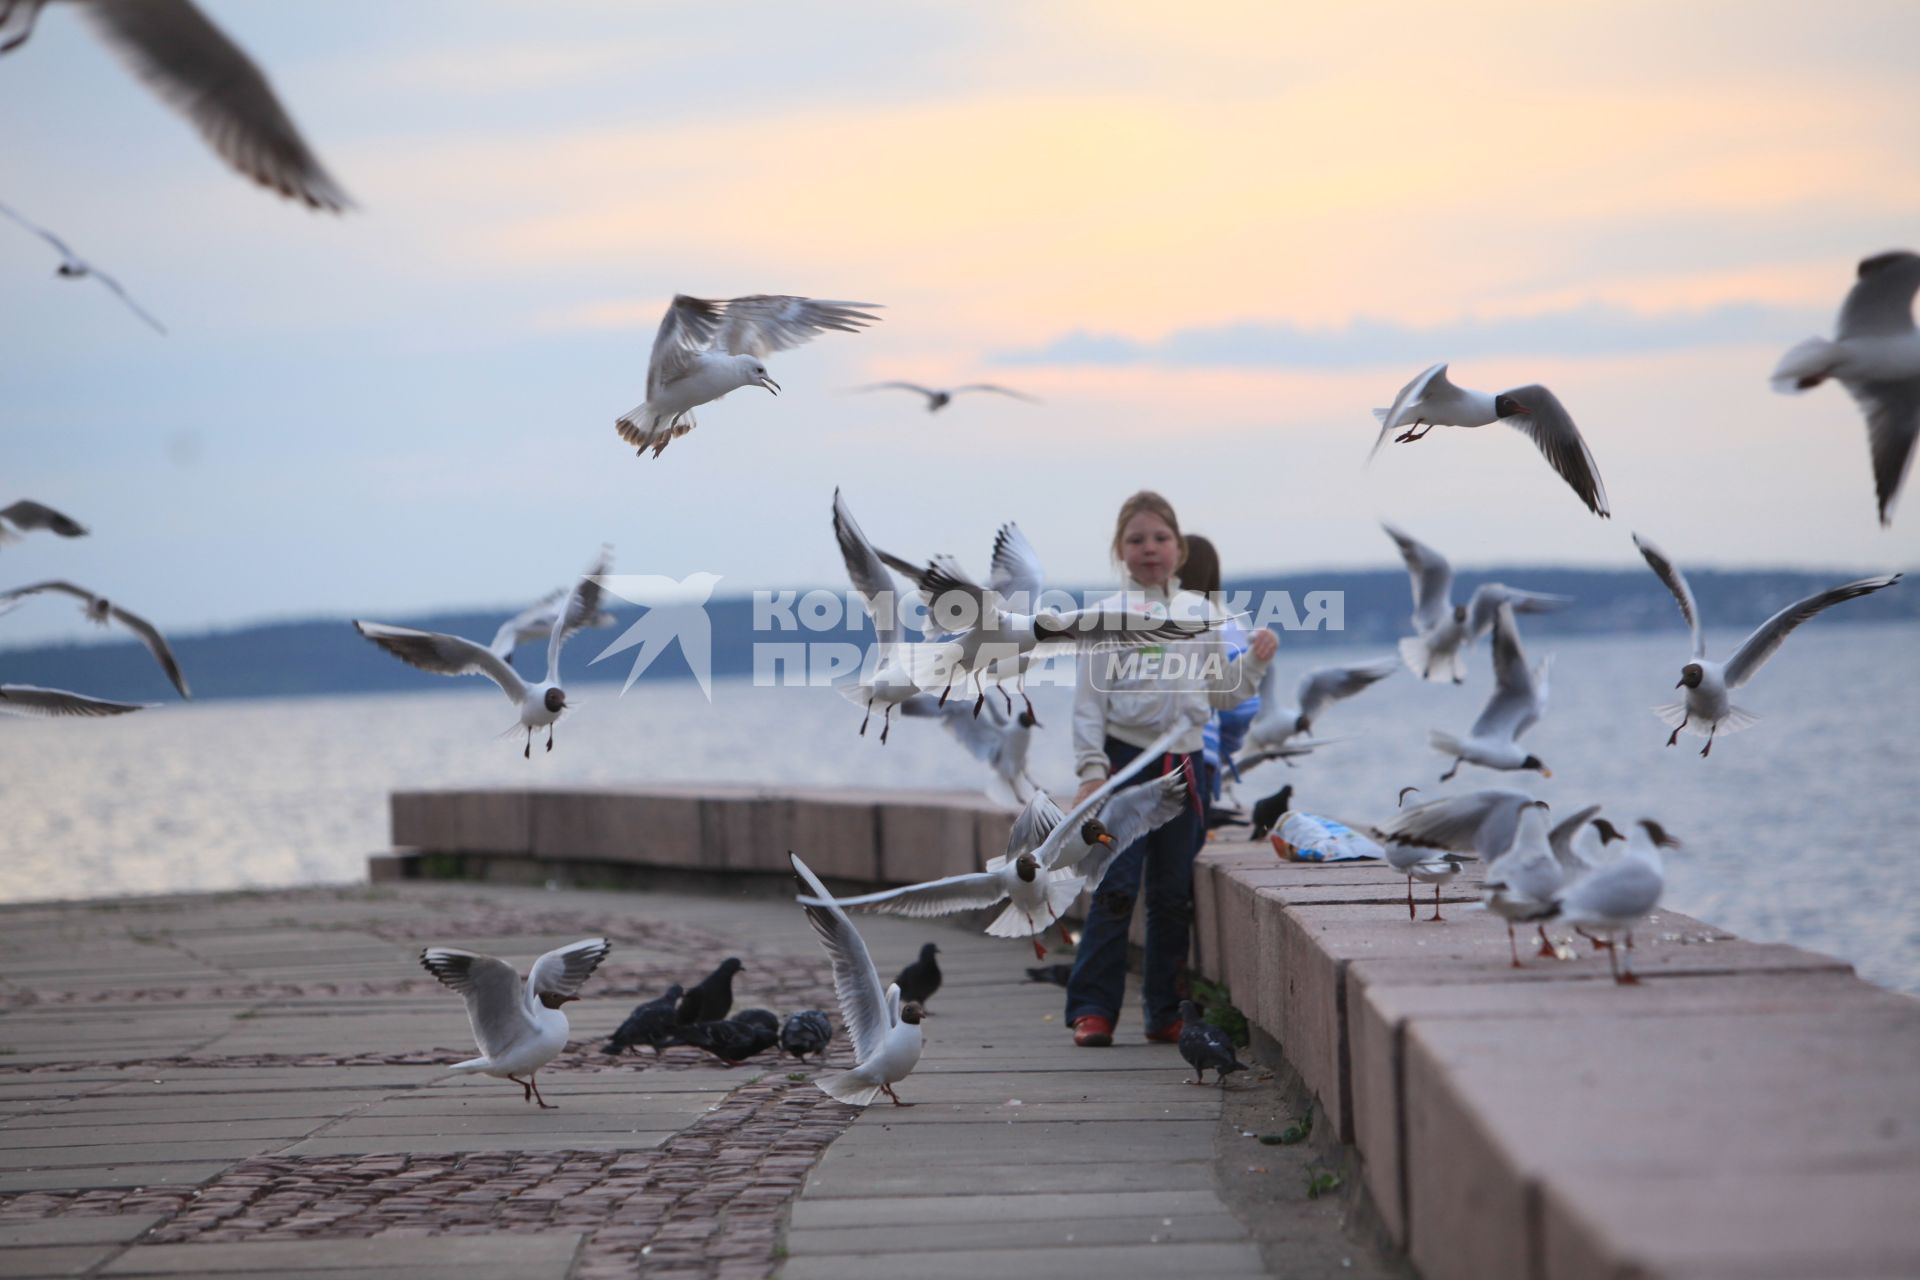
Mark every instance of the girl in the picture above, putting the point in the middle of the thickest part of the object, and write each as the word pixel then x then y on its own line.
pixel 1117 710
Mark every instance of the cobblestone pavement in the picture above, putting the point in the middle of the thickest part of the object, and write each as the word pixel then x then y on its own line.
pixel 251 1069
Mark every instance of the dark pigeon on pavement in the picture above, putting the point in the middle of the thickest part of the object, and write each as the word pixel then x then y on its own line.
pixel 1056 974
pixel 806 1032
pixel 919 980
pixel 731 1040
pixel 766 1019
pixel 650 1024
pixel 712 999
pixel 1205 1046
pixel 1268 812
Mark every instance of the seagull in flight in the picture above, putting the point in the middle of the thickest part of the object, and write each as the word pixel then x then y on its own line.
pixel 1050 855
pixel 1707 708
pixel 939 398
pixel 74 267
pixel 1430 401
pixel 1429 841
pixel 100 611
pixel 32 700
pixel 1875 355
pixel 1279 729
pixel 885 1031
pixel 191 65
pixel 890 682
pixel 706 348
pixel 26 515
pixel 517 1028
pixel 539 704
pixel 537 620
pixel 1444 631
pixel 1519 699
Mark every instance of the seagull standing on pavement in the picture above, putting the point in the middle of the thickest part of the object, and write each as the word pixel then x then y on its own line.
pixel 938 398
pixel 706 348
pixel 519 1028
pixel 539 704
pixel 1430 401
pixel 1443 630
pixel 100 611
pixel 885 1031
pixel 1612 898
pixel 1875 355
pixel 26 515
pixel 191 65
pixel 1707 708
pixel 74 267
pixel 1519 699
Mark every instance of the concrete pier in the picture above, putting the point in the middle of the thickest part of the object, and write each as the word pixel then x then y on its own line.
pixel 1749 1110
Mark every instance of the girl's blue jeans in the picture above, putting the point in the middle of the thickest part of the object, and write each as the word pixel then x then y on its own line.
pixel 1164 860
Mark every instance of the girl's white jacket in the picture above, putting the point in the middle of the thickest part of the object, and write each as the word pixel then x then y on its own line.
pixel 1137 699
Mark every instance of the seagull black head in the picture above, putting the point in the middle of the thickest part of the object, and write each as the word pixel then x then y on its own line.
pixel 1506 406
pixel 1608 832
pixel 910 1013
pixel 1535 762
pixel 555 700
pixel 1027 867
pixel 1459 613
pixel 1691 675
pixel 1093 831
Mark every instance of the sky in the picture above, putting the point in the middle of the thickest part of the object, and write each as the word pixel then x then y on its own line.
pixel 1209 241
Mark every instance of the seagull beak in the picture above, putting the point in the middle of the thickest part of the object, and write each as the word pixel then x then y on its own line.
pixel 770 385
pixel 1105 839
pixel 1545 772
pixel 1677 683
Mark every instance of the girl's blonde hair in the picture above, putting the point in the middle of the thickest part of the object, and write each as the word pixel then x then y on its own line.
pixel 1153 504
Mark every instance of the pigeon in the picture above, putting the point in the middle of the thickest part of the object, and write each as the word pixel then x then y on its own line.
pixel 1277 726
pixel 1876 357
pixel 32 700
pixel 996 739
pixel 536 621
pixel 1055 975
pixel 805 1032
pixel 190 64
pixel 650 1024
pixel 26 515
pixel 919 980
pixel 890 681
pixel 1611 899
pixel 519 1027
pixel 1206 1047
pixel 1707 708
pixel 712 998
pixel 938 398
pixel 1430 401
pixel 733 1039
pixel 1268 812
pixel 1443 630
pixel 1429 841
pixel 1519 698
pixel 706 348
pixel 99 610
pixel 539 704
pixel 884 1029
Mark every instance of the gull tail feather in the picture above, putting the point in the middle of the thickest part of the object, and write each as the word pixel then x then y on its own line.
pixel 471 1065
pixel 1446 743
pixel 1419 659
pixel 1014 923
pixel 1063 891
pixel 1805 366
pixel 849 1087
pixel 1737 718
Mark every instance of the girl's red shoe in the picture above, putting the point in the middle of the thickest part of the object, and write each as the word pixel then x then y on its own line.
pixel 1093 1032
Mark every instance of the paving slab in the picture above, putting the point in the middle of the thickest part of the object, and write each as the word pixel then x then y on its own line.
pixel 1216 1261
pixel 107 1229
pixel 531 1255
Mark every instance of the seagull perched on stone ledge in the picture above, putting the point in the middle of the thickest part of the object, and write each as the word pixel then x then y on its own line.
pixel 706 348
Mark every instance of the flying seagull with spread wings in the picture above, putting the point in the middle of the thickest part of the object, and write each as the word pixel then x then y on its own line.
pixel 74 267
pixel 706 348
pixel 1430 401
pixel 939 398
pixel 101 611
